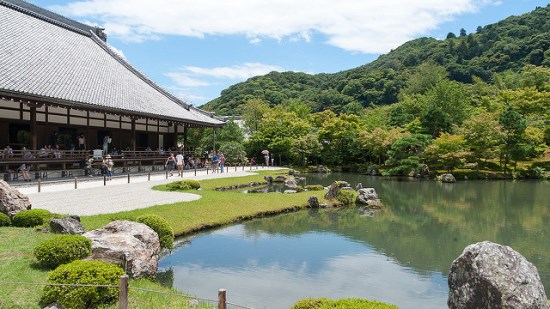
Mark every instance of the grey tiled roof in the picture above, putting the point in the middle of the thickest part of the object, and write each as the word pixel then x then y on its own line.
pixel 40 58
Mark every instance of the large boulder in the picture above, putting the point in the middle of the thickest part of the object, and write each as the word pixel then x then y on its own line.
pixel 369 197
pixel 291 182
pixel 489 275
pixel 279 178
pixel 448 178
pixel 313 202
pixel 133 246
pixel 11 200
pixel 332 192
pixel 67 225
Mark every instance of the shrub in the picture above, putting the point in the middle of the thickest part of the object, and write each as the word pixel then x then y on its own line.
pixel 314 187
pixel 162 227
pixel 33 217
pixel 62 249
pixel 4 219
pixel 183 185
pixel 346 197
pixel 82 272
pixel 347 303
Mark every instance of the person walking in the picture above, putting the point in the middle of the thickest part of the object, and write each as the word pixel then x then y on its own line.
pixel 179 163
pixel 170 162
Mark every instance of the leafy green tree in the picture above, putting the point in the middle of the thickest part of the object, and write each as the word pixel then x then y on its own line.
pixel 233 152
pixel 405 154
pixel 306 149
pixel 447 151
pixel 483 134
pixel 339 138
pixel 513 125
pixel 252 112
pixel 443 106
pixel 378 142
pixel 277 132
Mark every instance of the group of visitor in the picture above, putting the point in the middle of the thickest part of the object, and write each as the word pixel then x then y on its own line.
pixel 218 161
pixel 173 161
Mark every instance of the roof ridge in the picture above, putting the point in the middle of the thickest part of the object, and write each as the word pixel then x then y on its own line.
pixel 50 20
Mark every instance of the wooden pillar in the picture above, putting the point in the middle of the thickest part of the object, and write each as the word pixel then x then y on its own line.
pixel 214 138
pixel 175 135
pixel 34 140
pixel 133 137
pixel 185 135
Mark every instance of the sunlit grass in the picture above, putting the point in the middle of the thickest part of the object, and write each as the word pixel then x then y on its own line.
pixel 215 208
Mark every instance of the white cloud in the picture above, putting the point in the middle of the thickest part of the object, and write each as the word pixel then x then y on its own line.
pixel 368 26
pixel 193 76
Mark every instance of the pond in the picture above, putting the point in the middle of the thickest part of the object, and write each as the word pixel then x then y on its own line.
pixel 399 255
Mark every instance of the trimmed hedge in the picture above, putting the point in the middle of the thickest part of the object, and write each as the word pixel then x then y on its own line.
pixel 314 187
pixel 62 249
pixel 347 303
pixel 4 219
pixel 346 197
pixel 33 217
pixel 162 227
pixel 83 272
pixel 183 185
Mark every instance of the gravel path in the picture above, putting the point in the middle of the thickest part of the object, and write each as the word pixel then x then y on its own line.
pixel 92 197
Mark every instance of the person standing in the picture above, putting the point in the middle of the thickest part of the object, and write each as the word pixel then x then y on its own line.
pixel 222 162
pixel 108 165
pixel 179 163
pixel 106 142
pixel 81 142
pixel 170 162
pixel 215 162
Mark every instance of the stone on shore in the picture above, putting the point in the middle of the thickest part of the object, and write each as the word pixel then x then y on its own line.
pixel 489 275
pixel 67 225
pixel 369 197
pixel 11 200
pixel 133 246
pixel 448 178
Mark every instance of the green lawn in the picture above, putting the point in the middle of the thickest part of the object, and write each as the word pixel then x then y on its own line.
pixel 215 208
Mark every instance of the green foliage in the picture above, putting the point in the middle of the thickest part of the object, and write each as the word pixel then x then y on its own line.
pixel 346 197
pixel 233 152
pixel 33 217
pixel 62 249
pixel 182 185
pixel 404 155
pixel 347 303
pixel 314 187
pixel 162 227
pixel 4 219
pixel 83 272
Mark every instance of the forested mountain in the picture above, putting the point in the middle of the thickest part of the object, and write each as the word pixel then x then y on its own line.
pixel 508 45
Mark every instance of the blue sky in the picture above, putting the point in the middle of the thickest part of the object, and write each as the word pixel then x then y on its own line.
pixel 197 48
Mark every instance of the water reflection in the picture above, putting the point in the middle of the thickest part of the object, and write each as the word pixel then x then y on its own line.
pixel 399 255
pixel 274 271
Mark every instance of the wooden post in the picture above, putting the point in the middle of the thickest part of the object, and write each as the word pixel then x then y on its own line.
pixel 128 177
pixel 75 184
pixel 149 177
pixel 123 292
pixel 39 185
pixel 104 180
pixel 207 170
pixel 222 300
pixel 195 168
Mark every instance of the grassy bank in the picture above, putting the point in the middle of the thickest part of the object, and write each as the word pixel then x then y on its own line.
pixel 215 208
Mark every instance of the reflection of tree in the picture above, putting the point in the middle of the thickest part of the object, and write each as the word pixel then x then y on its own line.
pixel 166 278
pixel 426 224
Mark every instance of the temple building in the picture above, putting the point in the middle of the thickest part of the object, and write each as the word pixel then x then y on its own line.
pixel 59 76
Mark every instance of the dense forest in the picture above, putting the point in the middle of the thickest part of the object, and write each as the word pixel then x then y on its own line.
pixel 469 101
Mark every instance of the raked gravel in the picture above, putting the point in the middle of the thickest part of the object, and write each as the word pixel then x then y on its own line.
pixel 92 198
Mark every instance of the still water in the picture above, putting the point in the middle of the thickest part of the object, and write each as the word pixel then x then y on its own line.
pixel 399 255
